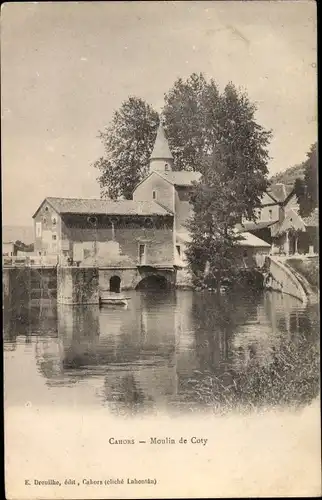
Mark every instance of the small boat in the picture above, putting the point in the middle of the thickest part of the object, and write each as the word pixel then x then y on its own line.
pixel 117 299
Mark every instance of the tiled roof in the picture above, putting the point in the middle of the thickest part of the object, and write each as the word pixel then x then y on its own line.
pixel 100 207
pixel 278 192
pixel 313 219
pixel 255 226
pixel 250 240
pixel 182 178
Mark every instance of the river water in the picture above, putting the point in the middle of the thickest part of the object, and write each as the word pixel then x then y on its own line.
pixel 171 351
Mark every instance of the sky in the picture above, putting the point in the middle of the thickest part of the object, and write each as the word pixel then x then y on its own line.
pixel 66 67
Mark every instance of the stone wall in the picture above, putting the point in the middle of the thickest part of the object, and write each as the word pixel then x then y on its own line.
pixel 128 233
pixel 183 279
pixel 282 279
pixel 50 226
pixel 183 208
pixel 131 277
pixel 164 191
pixel 24 284
pixel 77 285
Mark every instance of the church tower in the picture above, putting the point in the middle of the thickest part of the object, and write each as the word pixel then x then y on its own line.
pixel 161 158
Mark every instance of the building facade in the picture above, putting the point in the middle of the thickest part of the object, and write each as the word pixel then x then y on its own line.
pixel 130 239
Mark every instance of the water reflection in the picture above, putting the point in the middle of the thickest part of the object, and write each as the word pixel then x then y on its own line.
pixel 179 350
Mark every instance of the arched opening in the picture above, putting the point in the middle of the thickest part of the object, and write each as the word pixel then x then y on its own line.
pixel 154 282
pixel 115 284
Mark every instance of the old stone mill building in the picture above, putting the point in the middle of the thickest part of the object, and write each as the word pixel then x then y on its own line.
pixel 129 242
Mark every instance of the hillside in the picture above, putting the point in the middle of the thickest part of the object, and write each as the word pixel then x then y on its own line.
pixel 289 175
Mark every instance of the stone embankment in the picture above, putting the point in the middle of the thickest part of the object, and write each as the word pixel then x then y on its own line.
pixel 284 278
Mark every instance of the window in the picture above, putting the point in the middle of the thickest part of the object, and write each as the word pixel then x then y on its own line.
pixel 154 195
pixel 87 253
pixel 270 214
pixel 54 221
pixel 178 249
pixel 38 229
pixel 54 236
pixel 142 254
pixel 46 209
pixel 166 166
pixel 44 220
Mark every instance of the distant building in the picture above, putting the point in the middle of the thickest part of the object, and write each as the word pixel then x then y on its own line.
pixel 9 249
pixel 279 223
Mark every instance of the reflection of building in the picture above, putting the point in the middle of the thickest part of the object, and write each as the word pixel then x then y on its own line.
pixel 145 357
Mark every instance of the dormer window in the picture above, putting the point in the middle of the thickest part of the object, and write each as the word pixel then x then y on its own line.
pixel 154 195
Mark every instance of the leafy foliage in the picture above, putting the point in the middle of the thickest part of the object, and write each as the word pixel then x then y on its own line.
pixel 306 189
pixel 198 121
pixel 210 252
pixel 289 176
pixel 219 201
pixel 128 143
pixel 309 268
pixel 23 247
pixel 286 373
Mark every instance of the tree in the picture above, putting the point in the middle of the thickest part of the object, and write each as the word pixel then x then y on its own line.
pixel 21 246
pixel 306 189
pixel 198 120
pixel 128 143
pixel 191 120
pixel 216 210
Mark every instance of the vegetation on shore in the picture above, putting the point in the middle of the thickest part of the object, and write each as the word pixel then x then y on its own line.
pixel 290 376
pixel 308 268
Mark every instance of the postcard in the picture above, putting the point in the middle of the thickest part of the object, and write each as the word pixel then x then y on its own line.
pixel 160 252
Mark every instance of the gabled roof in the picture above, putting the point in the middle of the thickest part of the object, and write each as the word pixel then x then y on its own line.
pixel 278 192
pixel 161 147
pixel 104 207
pixel 313 219
pixel 292 221
pixel 182 178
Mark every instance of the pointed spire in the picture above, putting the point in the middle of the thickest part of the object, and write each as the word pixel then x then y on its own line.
pixel 161 148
